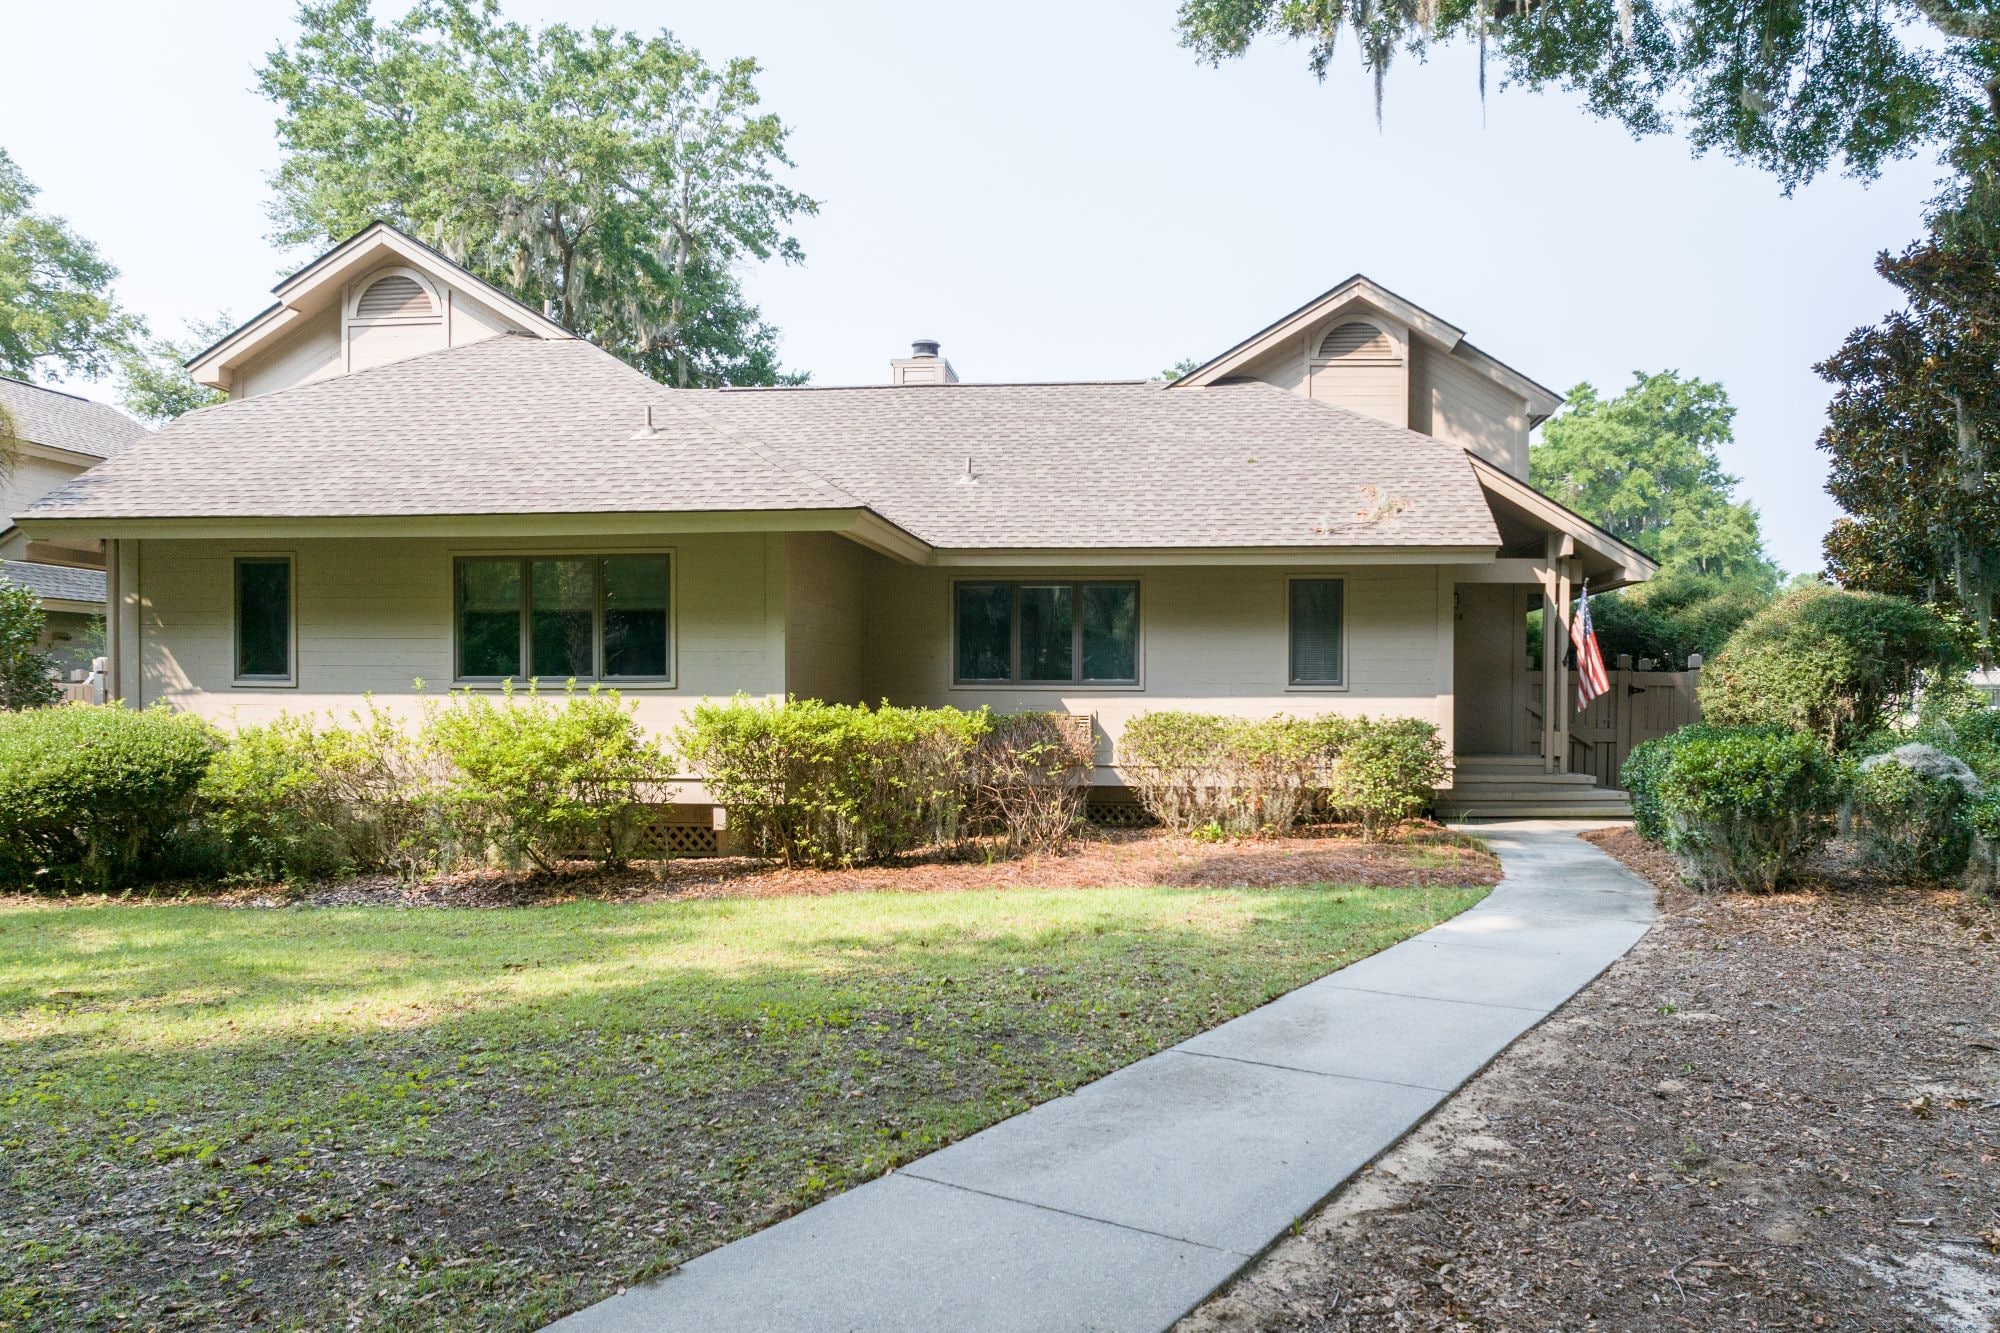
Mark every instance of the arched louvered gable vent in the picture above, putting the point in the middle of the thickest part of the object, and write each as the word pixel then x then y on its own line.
pixel 396 296
pixel 1357 340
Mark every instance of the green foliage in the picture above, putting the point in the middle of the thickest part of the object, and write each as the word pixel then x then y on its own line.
pixel 1201 771
pixel 1908 804
pixel 1646 765
pixel 1911 436
pixel 1981 818
pixel 834 784
pixel 1791 88
pixel 1744 807
pixel 91 797
pixel 57 313
pixel 1644 467
pixel 1031 777
pixel 1963 724
pixel 300 798
pixel 25 680
pixel 155 385
pixel 1387 772
pixel 538 780
pixel 1830 663
pixel 615 180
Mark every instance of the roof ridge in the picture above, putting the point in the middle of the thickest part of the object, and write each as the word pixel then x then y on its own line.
pixel 60 393
pixel 962 384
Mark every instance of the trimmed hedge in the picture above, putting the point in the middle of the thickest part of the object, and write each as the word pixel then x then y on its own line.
pixel 1743 807
pixel 93 797
pixel 1907 805
pixel 835 784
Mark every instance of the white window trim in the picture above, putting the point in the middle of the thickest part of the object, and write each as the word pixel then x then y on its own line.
pixel 1046 686
pixel 623 684
pixel 1345 684
pixel 290 680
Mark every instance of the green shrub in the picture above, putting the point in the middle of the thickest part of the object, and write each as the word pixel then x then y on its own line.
pixel 1828 662
pixel 1981 818
pixel 25 670
pixel 1387 772
pixel 1960 721
pixel 537 780
pixel 834 784
pixel 1031 777
pixel 1906 805
pixel 303 799
pixel 1196 771
pixel 1745 807
pixel 91 797
pixel 1645 766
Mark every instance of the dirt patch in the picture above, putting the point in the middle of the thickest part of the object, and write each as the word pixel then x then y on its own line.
pixel 1779 1111
pixel 1418 856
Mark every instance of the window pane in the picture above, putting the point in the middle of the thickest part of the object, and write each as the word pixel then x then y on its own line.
pixel 489 618
pixel 635 615
pixel 985 614
pixel 562 609
pixel 1316 631
pixel 1048 649
pixel 264 618
pixel 1110 631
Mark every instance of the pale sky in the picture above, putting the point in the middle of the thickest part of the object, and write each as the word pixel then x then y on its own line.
pixel 1058 191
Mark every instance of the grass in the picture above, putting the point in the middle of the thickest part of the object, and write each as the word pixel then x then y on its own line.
pixel 438 1118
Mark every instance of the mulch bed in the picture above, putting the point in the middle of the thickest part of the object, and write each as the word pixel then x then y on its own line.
pixel 1419 855
pixel 1779 1111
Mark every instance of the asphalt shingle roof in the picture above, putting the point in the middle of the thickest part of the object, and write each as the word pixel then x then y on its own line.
pixel 64 421
pixel 522 425
pixel 56 581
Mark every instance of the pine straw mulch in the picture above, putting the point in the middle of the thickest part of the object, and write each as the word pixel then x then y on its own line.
pixel 1779 1111
pixel 1416 856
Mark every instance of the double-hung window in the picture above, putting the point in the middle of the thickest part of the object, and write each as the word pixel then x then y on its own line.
pixel 582 617
pixel 1318 632
pixel 262 599
pixel 1045 633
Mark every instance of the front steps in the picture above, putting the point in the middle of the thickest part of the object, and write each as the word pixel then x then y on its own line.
pixel 1492 786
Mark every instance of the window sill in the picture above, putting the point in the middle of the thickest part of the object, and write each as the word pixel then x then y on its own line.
pixel 1047 687
pixel 251 683
pixel 546 688
pixel 1318 689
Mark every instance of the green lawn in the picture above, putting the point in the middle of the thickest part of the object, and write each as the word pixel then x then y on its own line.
pixel 211 1117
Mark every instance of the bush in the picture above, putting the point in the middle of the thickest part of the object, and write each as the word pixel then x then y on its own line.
pixel 26 679
pixel 1958 720
pixel 1031 777
pixel 1745 807
pixel 1981 818
pixel 834 784
pixel 91 797
pixel 1906 805
pixel 1386 773
pixel 1201 771
pixel 1828 662
pixel 1647 764
pixel 300 799
pixel 539 781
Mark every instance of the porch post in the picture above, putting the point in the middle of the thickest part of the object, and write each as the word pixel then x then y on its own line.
pixel 1447 635
pixel 114 646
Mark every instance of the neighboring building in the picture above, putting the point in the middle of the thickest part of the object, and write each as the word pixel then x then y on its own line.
pixel 420 477
pixel 60 437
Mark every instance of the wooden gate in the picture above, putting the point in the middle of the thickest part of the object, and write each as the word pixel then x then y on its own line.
pixel 1639 706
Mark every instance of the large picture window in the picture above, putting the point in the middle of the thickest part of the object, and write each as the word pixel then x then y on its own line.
pixel 587 617
pixel 263 607
pixel 1318 632
pixel 1045 633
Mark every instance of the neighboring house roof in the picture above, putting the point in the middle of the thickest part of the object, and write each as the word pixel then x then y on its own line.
pixel 61 420
pixel 520 425
pixel 1121 465
pixel 55 583
pixel 510 425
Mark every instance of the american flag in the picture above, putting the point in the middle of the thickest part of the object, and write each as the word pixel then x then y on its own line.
pixel 1591 679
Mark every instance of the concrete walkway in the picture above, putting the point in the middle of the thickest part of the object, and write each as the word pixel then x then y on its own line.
pixel 1123 1205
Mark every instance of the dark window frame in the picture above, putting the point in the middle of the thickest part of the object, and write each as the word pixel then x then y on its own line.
pixel 1292 682
pixel 290 677
pixel 524 656
pixel 1077 680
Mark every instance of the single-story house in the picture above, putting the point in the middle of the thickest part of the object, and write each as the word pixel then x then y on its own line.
pixel 57 436
pixel 418 477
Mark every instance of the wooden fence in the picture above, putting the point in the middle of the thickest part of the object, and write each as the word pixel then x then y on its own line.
pixel 1640 705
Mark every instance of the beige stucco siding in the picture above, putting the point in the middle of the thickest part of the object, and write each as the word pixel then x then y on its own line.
pixel 27 481
pixel 1211 639
pixel 1453 401
pixel 374 616
pixel 825 603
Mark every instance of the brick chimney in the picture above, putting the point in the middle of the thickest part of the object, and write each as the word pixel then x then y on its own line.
pixel 924 365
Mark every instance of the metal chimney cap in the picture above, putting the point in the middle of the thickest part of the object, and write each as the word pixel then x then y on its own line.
pixel 924 347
